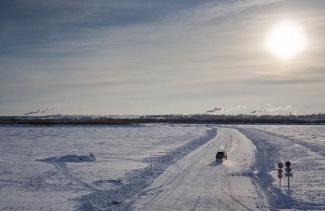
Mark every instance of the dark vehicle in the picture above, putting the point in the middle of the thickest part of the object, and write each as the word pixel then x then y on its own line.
pixel 221 154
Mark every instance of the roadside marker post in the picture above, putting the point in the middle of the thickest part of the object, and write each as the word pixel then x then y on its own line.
pixel 288 172
pixel 280 171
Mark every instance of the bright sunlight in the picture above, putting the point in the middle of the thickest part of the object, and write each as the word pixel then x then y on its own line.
pixel 286 40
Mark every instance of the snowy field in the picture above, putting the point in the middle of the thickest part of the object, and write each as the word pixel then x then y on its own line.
pixel 160 167
pixel 304 147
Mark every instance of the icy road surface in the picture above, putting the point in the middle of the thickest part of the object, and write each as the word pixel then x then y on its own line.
pixel 198 182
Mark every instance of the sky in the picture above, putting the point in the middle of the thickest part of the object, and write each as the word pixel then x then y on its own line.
pixel 137 57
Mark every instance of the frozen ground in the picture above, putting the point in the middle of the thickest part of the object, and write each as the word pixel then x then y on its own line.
pixel 304 147
pixel 162 167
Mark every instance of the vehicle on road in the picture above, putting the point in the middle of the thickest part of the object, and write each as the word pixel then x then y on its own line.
pixel 221 155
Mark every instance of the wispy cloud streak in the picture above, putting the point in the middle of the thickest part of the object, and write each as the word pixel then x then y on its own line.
pixel 167 54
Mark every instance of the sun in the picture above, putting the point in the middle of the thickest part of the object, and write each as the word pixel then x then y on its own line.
pixel 286 40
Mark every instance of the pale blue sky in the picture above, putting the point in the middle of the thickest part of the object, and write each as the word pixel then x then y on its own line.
pixel 157 57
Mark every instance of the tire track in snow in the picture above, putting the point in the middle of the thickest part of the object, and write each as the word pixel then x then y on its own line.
pixel 61 166
pixel 310 146
pixel 194 183
pixel 140 179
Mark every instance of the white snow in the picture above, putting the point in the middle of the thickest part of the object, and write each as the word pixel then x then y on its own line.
pixel 198 182
pixel 162 167
pixel 304 147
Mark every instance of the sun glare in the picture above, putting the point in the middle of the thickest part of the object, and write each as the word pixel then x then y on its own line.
pixel 286 40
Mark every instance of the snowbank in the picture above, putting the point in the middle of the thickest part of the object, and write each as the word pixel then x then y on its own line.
pixel 304 147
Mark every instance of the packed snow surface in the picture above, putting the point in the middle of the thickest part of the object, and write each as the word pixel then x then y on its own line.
pixel 198 182
pixel 304 147
pixel 161 167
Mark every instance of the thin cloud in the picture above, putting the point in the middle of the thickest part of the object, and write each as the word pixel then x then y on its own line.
pixel 164 54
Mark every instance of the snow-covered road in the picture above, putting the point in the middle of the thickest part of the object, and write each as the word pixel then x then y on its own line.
pixel 163 167
pixel 198 182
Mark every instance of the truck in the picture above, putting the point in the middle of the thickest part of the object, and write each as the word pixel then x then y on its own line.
pixel 221 155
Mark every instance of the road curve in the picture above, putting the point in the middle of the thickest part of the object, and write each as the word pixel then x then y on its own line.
pixel 198 182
